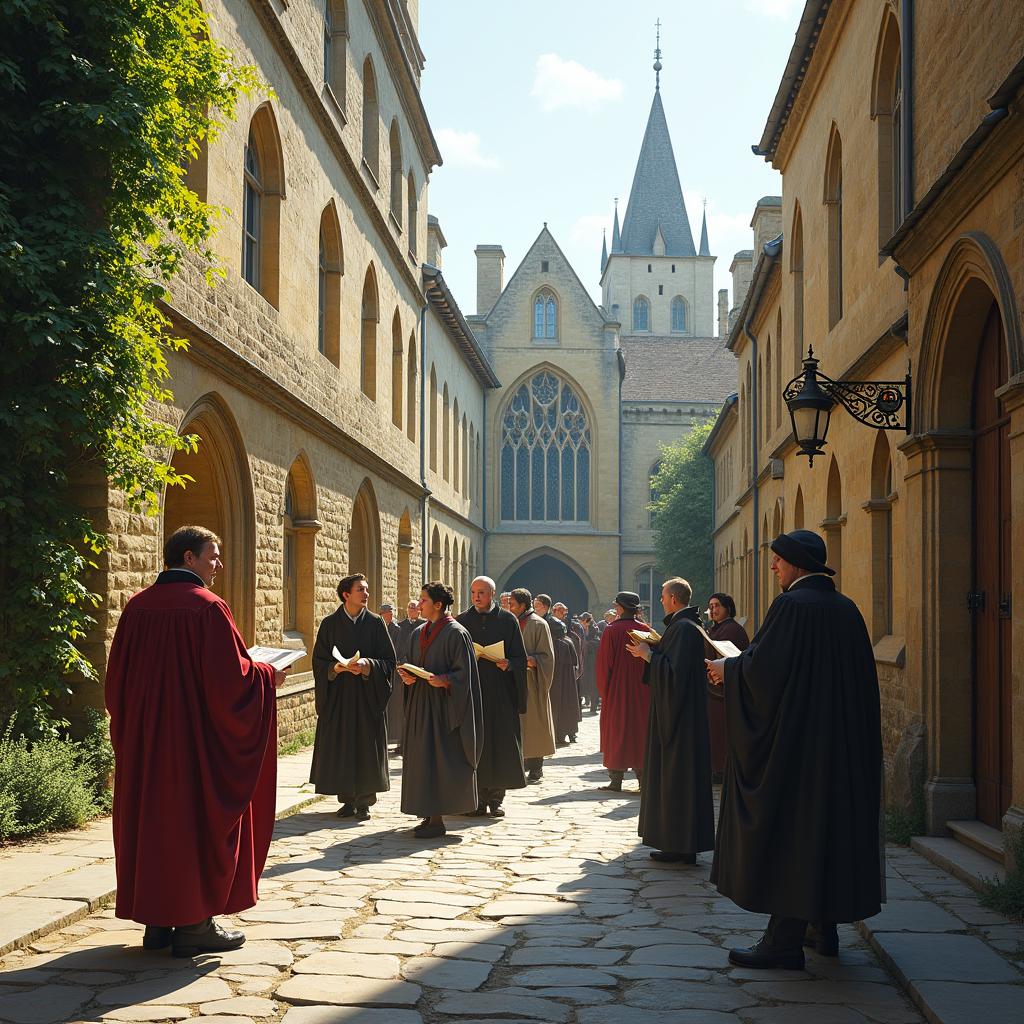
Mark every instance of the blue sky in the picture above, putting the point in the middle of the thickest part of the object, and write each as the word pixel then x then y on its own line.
pixel 539 109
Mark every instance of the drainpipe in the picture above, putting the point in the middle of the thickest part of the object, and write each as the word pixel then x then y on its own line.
pixel 907 127
pixel 424 490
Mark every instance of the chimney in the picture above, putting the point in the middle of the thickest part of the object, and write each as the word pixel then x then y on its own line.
pixel 490 277
pixel 767 221
pixel 742 269
pixel 723 313
pixel 435 241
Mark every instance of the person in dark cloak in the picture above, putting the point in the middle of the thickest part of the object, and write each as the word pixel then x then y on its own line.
pixel 503 696
pixel 350 750
pixel 722 611
pixel 394 712
pixel 677 813
pixel 193 725
pixel 443 718
pixel 591 643
pixel 396 706
pixel 565 701
pixel 798 833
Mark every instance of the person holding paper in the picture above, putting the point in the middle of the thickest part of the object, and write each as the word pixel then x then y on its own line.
pixel 193 725
pixel 677 814
pixel 353 666
pixel 503 696
pixel 798 832
pixel 625 701
pixel 443 717
pixel 722 610
pixel 538 727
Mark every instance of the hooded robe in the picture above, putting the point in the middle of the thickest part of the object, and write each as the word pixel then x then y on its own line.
pixel 193 725
pixel 350 751
pixel 677 811
pixel 798 831
pixel 503 696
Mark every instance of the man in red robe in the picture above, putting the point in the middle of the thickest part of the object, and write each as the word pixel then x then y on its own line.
pixel 193 724
pixel 625 700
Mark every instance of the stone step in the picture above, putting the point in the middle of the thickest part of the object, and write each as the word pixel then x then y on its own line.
pixel 959 860
pixel 981 837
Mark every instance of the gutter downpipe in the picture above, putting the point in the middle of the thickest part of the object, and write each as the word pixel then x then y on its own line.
pixel 424 490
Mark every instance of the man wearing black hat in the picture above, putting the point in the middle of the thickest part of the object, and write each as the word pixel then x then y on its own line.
pixel 798 831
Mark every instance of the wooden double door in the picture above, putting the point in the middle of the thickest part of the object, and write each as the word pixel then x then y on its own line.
pixel 991 594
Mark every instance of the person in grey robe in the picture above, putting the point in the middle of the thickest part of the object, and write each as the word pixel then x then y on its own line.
pixel 396 706
pixel 350 751
pixel 677 814
pixel 443 717
pixel 503 691
pixel 565 698
pixel 538 727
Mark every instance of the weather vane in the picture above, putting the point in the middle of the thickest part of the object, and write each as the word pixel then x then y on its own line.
pixel 657 56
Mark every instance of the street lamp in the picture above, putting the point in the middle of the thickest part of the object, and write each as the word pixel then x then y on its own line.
pixel 811 397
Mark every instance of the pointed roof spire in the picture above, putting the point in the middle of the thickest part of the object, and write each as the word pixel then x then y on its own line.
pixel 604 250
pixel 656 196
pixel 616 237
pixel 657 56
pixel 704 250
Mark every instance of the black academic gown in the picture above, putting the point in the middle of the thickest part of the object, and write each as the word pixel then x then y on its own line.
pixel 503 696
pixel 798 826
pixel 350 752
pixel 395 702
pixel 588 681
pixel 565 695
pixel 443 728
pixel 677 811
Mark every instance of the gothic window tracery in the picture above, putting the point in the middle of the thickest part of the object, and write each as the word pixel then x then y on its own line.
pixel 545 453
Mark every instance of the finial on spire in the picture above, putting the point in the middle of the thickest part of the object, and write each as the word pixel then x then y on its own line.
pixel 657 56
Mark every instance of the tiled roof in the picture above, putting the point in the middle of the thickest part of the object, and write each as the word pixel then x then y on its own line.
pixel 677 369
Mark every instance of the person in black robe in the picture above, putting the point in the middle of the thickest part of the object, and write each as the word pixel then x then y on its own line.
pixel 503 694
pixel 350 751
pixel 396 706
pixel 394 712
pixel 565 701
pixel 677 813
pixel 443 717
pixel 798 833
pixel 723 626
pixel 591 645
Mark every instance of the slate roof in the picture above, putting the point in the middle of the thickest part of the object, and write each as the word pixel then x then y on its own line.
pixel 674 369
pixel 656 198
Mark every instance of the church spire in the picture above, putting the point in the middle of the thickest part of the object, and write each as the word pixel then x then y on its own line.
pixel 604 250
pixel 704 250
pixel 616 237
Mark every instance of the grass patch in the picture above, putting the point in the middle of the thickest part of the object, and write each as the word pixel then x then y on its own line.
pixel 1007 897
pixel 901 827
pixel 298 742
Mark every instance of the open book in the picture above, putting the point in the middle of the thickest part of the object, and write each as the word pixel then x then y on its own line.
pixel 342 660
pixel 277 657
pixel 645 636
pixel 492 652
pixel 724 648
pixel 415 670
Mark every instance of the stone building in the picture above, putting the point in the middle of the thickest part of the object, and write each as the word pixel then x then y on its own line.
pixel 340 429
pixel 902 242
pixel 588 392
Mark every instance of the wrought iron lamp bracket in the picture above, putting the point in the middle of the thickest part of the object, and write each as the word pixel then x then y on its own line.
pixel 878 404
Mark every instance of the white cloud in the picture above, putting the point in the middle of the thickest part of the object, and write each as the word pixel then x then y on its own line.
pixel 462 149
pixel 775 8
pixel 567 85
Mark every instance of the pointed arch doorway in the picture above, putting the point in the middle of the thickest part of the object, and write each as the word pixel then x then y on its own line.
pixel 546 574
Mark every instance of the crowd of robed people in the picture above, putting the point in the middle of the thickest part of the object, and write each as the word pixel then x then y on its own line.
pixel 477 701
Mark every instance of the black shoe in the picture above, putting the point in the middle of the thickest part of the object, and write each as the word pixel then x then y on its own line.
pixel 572 738
pixel 497 811
pixel 480 812
pixel 668 857
pixel 362 814
pixel 534 776
pixel 429 831
pixel 346 811
pixel 762 956
pixel 613 787
pixel 823 939
pixel 562 743
pixel 205 937
pixel 157 937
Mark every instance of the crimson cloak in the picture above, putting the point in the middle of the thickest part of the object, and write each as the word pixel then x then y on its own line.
pixel 193 725
pixel 625 700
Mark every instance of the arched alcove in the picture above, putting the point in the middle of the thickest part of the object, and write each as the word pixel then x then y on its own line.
pixel 364 541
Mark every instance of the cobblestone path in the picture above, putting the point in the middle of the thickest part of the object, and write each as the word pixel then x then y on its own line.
pixel 554 913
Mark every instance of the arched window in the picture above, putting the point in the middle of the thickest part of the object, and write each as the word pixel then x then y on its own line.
pixel 329 271
pixel 371 121
pixel 300 527
pixel 768 422
pixel 289 568
pixel 778 370
pixel 887 111
pixel 433 420
pixel 880 510
pixel 413 203
pixel 465 457
pixel 545 453
pixel 395 145
pixel 335 44
pixel 545 316
pixel 397 365
pixel 655 493
pixel 410 394
pixel 446 434
pixel 262 192
pixel 368 336
pixel 679 315
pixel 456 446
pixel 641 314
pixel 321 296
pixel 834 216
pixel 796 270
pixel 647 583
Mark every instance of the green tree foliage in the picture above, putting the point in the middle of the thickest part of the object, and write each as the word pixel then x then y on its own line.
pixel 103 103
pixel 683 516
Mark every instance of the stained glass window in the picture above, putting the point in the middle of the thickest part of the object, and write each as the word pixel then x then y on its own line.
pixel 678 315
pixel 252 200
pixel 641 314
pixel 545 317
pixel 545 453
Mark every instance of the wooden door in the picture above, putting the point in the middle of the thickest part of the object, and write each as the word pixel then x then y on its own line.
pixel 991 586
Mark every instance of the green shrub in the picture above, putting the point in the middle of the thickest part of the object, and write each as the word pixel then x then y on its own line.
pixel 298 742
pixel 98 754
pixel 1007 897
pixel 45 786
pixel 901 827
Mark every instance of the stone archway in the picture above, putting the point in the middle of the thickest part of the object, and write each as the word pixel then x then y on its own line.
pixel 219 497
pixel 364 541
pixel 545 573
